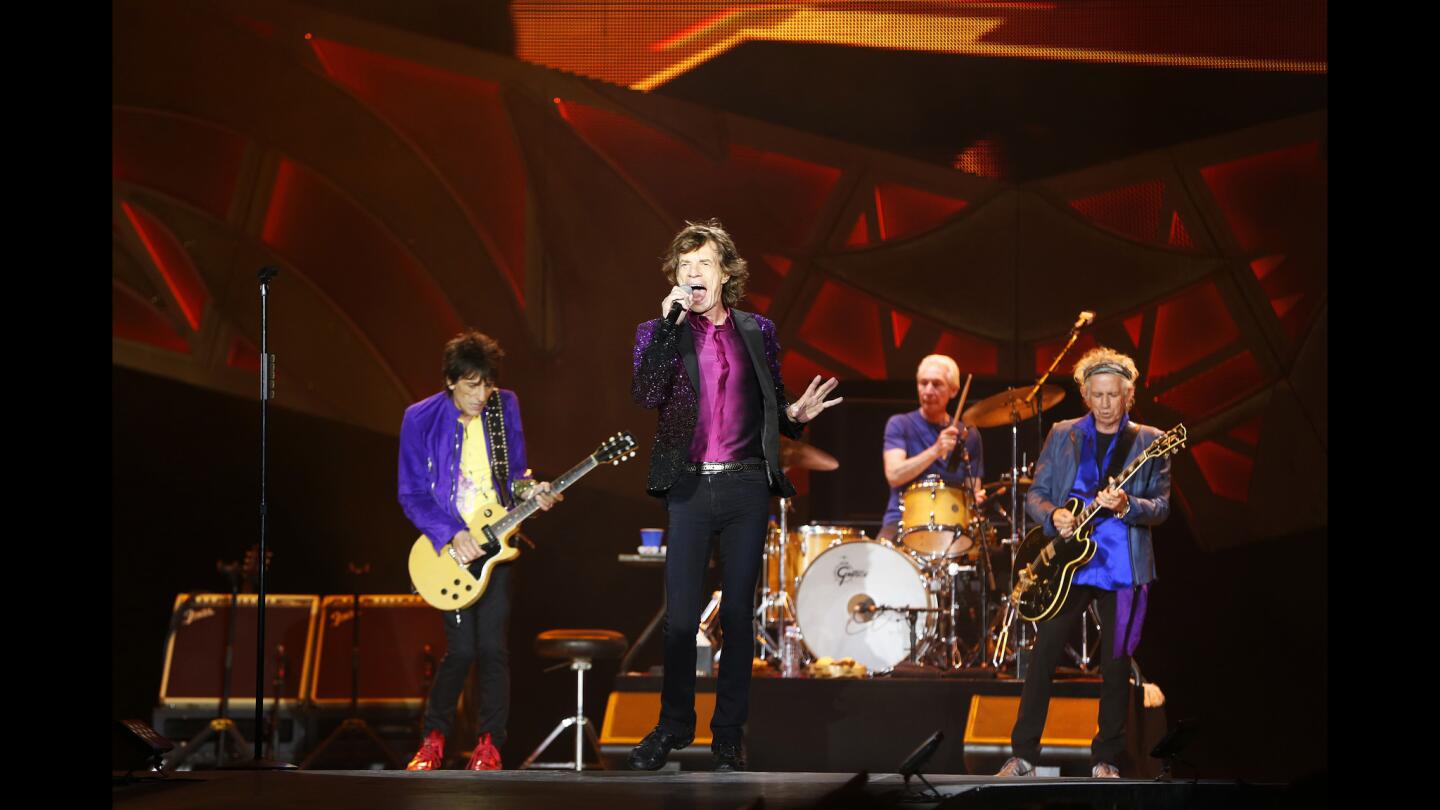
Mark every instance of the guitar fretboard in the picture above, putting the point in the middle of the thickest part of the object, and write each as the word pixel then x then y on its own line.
pixel 528 507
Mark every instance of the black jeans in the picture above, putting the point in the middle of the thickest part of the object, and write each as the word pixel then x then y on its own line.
pixel 476 635
pixel 1109 741
pixel 732 508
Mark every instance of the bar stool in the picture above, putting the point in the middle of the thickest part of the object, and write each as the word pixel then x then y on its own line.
pixel 581 647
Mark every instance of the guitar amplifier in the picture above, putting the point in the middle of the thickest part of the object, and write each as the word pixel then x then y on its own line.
pixel 396 667
pixel 630 714
pixel 1070 725
pixel 194 672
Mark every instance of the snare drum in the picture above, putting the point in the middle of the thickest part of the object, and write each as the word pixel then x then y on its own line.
pixel 838 601
pixel 935 518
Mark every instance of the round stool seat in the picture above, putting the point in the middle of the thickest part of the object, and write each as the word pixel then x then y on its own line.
pixel 591 644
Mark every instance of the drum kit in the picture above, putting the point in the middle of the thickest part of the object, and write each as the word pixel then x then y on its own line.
pixel 935 597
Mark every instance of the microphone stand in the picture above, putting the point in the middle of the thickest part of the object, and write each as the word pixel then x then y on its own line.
pixel 354 724
pixel 1034 405
pixel 267 391
pixel 1085 318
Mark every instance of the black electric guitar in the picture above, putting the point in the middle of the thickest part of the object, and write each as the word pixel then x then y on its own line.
pixel 1046 566
pixel 446 584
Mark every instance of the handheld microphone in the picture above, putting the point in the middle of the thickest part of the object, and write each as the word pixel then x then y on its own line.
pixel 674 314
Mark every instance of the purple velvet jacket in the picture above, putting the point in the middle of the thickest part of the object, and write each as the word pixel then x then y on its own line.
pixel 430 441
pixel 665 375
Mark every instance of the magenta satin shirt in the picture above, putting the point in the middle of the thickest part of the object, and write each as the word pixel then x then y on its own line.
pixel 727 427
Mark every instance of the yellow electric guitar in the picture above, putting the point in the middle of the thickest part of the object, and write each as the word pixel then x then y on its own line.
pixel 442 581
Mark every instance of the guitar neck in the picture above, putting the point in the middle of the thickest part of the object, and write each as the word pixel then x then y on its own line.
pixel 1125 475
pixel 528 507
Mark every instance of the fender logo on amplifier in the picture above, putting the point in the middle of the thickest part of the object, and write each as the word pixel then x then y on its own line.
pixel 192 616
pixel 339 617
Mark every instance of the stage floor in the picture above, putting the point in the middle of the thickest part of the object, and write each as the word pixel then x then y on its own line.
pixel 507 790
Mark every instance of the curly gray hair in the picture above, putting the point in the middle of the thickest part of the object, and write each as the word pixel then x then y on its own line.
pixel 1104 360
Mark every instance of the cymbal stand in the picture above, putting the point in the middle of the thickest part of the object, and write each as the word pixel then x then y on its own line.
pixel 953 657
pixel 779 600
pixel 1017 531
pixel 1086 655
pixel 986 571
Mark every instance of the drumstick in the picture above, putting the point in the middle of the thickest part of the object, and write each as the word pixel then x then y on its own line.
pixel 965 392
pixel 960 406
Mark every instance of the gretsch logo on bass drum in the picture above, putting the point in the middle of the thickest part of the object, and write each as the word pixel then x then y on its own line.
pixel 845 572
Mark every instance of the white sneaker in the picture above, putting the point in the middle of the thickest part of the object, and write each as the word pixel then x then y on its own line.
pixel 1015 766
pixel 1104 770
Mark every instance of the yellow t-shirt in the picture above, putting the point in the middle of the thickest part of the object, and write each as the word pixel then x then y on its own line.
pixel 476 486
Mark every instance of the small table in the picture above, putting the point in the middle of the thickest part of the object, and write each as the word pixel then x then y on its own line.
pixel 643 561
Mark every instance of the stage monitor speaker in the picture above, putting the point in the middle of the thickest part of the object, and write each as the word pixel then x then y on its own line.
pixel 137 746
pixel 634 708
pixel 402 640
pixel 1069 727
pixel 194 671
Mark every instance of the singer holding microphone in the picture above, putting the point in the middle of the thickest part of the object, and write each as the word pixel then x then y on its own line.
pixel 713 373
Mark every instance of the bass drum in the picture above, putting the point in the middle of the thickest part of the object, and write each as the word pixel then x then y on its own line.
pixel 836 599
pixel 803 546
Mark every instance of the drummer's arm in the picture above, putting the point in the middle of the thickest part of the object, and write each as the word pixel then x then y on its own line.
pixel 977 488
pixel 901 469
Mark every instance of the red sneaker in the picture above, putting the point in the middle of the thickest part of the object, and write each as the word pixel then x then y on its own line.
pixel 486 756
pixel 431 755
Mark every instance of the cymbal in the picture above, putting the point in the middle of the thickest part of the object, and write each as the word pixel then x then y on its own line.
pixel 795 454
pixel 1025 482
pixel 994 411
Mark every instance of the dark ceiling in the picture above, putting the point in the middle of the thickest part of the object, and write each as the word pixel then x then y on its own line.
pixel 1046 117
pixel 1040 117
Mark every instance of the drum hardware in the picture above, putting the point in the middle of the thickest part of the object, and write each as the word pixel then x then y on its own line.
pixel 1004 653
pixel 774 603
pixel 911 614
pixel 777 606
pixel 1082 659
pixel 1004 482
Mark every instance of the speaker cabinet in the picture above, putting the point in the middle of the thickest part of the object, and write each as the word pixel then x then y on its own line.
pixel 194 672
pixel 402 640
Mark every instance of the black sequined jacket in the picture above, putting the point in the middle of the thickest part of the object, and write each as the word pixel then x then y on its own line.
pixel 665 375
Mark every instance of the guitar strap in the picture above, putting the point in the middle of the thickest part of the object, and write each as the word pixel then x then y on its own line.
pixel 494 415
pixel 1123 443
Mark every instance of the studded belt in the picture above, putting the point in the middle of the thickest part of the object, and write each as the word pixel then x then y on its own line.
pixel 712 467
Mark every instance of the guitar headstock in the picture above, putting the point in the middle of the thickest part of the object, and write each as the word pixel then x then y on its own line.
pixel 1168 443
pixel 616 449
